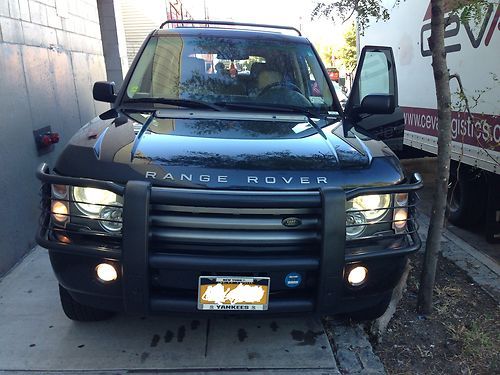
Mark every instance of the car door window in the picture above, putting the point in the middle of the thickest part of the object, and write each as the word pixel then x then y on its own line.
pixel 374 77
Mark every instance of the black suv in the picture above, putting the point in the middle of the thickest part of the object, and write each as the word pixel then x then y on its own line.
pixel 227 176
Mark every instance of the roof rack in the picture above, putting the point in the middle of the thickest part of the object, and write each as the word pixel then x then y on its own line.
pixel 229 23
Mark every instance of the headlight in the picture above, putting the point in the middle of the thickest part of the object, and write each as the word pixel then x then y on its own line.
pixel 91 201
pixel 374 206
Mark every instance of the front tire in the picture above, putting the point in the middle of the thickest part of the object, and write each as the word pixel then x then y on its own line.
pixel 81 313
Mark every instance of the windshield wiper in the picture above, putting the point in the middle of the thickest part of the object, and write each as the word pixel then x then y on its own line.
pixel 187 103
pixel 281 108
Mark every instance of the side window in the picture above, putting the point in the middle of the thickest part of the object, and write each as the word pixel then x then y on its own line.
pixel 140 83
pixel 374 75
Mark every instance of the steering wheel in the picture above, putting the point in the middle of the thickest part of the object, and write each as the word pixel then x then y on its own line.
pixel 287 85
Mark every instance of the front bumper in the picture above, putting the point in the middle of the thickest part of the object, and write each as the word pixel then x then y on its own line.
pixel 157 274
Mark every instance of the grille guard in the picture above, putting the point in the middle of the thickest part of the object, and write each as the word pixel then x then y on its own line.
pixel 220 198
pixel 137 260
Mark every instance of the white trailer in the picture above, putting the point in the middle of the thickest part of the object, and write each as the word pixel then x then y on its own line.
pixel 473 52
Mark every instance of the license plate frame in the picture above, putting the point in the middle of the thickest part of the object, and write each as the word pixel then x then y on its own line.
pixel 231 293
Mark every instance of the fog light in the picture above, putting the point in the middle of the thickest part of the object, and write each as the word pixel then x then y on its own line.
pixel 59 211
pixel 357 276
pixel 106 272
pixel 400 216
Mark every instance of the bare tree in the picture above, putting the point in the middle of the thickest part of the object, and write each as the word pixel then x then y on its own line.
pixel 443 96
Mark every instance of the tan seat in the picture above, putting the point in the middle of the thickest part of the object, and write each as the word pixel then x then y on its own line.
pixel 268 77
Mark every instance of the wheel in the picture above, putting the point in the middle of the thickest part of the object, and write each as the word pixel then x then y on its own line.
pixel 81 313
pixel 371 313
pixel 466 196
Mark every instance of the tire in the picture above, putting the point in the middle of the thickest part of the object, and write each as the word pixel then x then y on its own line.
pixel 81 313
pixel 370 313
pixel 467 194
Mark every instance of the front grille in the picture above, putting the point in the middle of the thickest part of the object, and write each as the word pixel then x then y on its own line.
pixel 247 223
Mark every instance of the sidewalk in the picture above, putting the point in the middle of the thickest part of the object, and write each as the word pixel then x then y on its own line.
pixel 35 336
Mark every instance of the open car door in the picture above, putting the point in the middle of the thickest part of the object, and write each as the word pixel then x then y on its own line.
pixel 372 108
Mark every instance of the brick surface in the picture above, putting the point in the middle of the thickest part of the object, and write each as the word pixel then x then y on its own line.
pixel 40 36
pixel 14 10
pixel 4 8
pixel 38 13
pixel 24 10
pixel 53 20
pixel 12 31
pixel 62 8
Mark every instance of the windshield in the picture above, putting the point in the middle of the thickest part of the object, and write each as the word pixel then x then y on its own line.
pixel 230 70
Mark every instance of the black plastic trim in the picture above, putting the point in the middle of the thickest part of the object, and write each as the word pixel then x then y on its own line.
pixel 416 183
pixel 43 174
pixel 71 248
pixel 161 304
pixel 332 249
pixel 246 199
pixel 225 263
pixel 135 254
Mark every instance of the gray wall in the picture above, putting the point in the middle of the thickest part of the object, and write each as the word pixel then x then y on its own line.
pixel 50 55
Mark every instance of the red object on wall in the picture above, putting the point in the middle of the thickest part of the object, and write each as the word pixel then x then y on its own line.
pixel 48 139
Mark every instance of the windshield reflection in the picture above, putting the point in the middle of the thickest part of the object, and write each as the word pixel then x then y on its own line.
pixel 241 70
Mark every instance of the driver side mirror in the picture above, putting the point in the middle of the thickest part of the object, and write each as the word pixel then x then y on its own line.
pixel 377 104
pixel 104 91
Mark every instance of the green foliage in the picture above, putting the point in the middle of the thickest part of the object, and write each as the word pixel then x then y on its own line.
pixel 326 53
pixel 364 10
pixel 347 53
pixel 472 10
pixel 370 10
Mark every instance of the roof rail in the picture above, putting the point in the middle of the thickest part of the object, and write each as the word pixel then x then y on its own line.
pixel 229 23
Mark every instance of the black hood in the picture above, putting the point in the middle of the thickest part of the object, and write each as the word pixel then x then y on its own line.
pixel 227 154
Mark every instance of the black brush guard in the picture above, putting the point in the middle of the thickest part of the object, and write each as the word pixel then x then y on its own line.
pixel 137 259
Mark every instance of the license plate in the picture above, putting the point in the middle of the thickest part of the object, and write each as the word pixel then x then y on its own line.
pixel 233 293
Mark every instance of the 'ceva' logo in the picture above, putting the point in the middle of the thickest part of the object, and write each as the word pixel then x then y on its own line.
pixel 454 23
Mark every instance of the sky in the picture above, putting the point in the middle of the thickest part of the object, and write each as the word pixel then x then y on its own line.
pixel 295 13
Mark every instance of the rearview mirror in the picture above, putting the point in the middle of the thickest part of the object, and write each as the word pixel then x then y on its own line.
pixel 377 104
pixel 104 91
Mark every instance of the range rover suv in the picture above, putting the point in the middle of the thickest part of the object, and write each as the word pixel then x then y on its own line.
pixel 228 178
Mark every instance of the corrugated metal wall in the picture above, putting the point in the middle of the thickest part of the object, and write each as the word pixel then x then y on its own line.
pixel 138 22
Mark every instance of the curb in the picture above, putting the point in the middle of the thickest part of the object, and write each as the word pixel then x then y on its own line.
pixel 353 351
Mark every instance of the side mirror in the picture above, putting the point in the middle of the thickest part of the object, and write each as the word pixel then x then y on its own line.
pixel 104 91
pixel 377 104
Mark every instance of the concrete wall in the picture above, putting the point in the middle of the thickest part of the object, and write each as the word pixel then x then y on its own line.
pixel 50 55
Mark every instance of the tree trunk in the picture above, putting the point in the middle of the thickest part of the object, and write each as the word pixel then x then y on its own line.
pixel 441 77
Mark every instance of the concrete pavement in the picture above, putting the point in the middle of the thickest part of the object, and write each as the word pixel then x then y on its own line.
pixel 36 336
